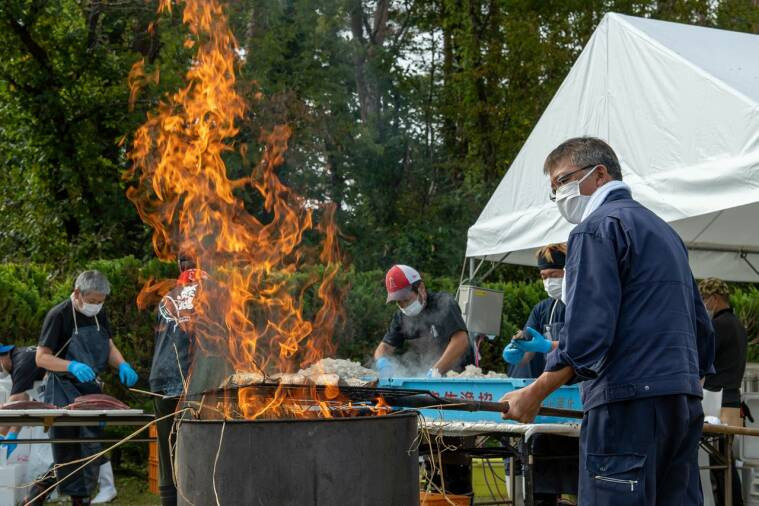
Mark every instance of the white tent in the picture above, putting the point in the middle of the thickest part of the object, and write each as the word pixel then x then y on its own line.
pixel 680 106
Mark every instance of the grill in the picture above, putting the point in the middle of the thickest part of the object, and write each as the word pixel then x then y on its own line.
pixel 352 400
pixel 362 461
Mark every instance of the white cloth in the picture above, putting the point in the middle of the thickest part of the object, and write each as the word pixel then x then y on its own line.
pixel 599 196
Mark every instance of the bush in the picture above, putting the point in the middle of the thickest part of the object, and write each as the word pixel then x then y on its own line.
pixel 745 302
pixel 28 291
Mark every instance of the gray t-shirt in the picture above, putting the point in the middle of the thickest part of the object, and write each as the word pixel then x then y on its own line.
pixel 434 326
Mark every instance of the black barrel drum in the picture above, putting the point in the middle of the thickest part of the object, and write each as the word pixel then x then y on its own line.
pixel 361 461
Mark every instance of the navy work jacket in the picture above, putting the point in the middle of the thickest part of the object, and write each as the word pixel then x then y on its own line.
pixel 635 324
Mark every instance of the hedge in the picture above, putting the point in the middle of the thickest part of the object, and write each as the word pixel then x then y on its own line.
pixel 28 291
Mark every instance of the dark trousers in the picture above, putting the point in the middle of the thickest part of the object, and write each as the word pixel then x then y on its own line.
pixel 166 441
pixel 641 451
pixel 68 456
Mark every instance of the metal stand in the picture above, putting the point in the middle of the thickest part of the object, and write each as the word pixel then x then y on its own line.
pixel 720 448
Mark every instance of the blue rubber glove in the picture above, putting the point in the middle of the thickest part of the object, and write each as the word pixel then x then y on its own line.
pixel 512 354
pixel 11 447
pixel 127 375
pixel 82 372
pixel 384 367
pixel 538 344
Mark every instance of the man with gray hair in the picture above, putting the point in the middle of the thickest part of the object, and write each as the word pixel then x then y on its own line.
pixel 636 335
pixel 74 347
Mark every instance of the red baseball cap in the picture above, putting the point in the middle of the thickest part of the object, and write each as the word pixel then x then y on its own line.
pixel 398 281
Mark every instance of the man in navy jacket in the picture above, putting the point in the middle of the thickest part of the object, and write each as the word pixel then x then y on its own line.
pixel 636 335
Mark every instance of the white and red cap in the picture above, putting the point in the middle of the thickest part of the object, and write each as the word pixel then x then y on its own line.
pixel 398 281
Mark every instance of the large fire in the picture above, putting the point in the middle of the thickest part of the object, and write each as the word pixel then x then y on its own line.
pixel 249 317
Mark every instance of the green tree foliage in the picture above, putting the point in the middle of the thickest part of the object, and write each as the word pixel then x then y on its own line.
pixel 63 96
pixel 407 113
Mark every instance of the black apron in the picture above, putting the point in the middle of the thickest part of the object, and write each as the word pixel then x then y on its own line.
pixel 89 345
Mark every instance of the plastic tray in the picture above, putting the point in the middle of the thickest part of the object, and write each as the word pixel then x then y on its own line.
pixel 484 389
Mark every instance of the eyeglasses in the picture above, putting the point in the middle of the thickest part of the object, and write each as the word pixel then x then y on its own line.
pixel 565 179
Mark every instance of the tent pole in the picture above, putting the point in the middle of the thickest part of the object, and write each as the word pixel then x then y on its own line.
pixel 495 264
pixel 744 256
pixel 479 266
pixel 463 270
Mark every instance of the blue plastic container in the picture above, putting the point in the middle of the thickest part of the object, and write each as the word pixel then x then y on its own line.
pixel 483 389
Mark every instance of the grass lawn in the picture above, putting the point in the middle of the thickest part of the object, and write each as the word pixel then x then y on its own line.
pixel 132 490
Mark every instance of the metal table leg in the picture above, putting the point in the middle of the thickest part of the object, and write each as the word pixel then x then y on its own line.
pixel 526 455
pixel 728 452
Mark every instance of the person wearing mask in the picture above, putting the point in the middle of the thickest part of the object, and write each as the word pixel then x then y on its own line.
pixel 429 323
pixel 636 336
pixel 20 364
pixel 731 341
pixel 171 363
pixel 525 354
pixel 75 346
pixel 729 363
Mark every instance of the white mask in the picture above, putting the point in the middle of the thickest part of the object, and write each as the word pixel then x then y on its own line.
pixel 90 310
pixel 553 287
pixel 413 309
pixel 3 373
pixel 86 308
pixel 571 202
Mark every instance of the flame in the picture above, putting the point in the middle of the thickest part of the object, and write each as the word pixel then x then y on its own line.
pixel 381 408
pixel 246 312
pixel 138 78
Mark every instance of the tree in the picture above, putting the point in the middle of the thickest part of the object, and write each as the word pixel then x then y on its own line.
pixel 64 93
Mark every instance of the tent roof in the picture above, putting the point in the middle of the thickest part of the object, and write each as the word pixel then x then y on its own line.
pixel 680 106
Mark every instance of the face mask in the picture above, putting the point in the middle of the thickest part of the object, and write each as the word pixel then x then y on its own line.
pixel 553 287
pixel 3 373
pixel 413 309
pixel 571 202
pixel 86 308
pixel 90 309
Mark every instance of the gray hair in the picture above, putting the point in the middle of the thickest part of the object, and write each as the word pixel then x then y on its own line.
pixel 583 151
pixel 92 282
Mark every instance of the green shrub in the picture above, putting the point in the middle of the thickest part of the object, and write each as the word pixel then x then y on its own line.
pixel 28 291
pixel 745 301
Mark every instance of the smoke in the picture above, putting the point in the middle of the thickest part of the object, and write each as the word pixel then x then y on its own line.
pixel 427 336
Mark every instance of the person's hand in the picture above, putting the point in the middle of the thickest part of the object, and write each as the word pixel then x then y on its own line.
pixel 11 447
pixel 433 373
pixel 512 354
pixel 127 375
pixel 523 405
pixel 82 372
pixel 537 344
pixel 384 367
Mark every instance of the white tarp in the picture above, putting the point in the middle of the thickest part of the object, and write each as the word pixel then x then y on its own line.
pixel 679 105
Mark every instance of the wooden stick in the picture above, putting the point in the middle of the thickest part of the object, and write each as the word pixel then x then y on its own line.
pixel 730 429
